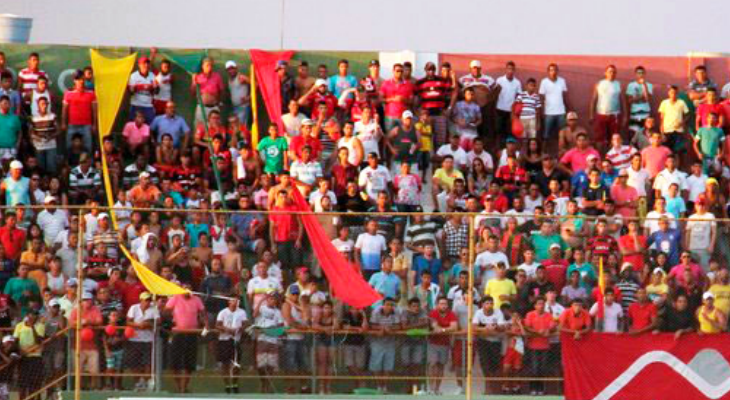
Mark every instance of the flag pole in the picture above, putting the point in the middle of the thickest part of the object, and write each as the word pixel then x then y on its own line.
pixel 470 312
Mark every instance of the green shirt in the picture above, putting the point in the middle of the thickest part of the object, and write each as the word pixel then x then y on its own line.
pixel 16 287
pixel 542 243
pixel 9 129
pixel 710 138
pixel 584 270
pixel 273 151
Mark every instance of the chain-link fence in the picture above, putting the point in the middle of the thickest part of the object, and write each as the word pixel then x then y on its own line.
pixel 471 303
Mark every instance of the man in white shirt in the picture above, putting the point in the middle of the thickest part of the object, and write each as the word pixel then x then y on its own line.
pixel 701 234
pixel 239 88
pixel 261 285
pixel 620 154
pixel 374 178
pixel 651 223
pixel 530 264
pixel 489 325
pixel 613 314
pixel 696 182
pixel 670 175
pixel 52 220
pixel 453 149
pixel 488 260
pixel 142 317
pixel 230 323
pixel 142 86
pixel 509 87
pixel 478 151
pixel 293 120
pixel 554 92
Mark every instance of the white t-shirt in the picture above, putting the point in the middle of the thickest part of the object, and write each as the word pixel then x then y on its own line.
pixel 460 157
pixel 138 316
pixel 553 92
pixel 696 186
pixel 509 92
pixel 164 83
pixel 240 90
pixel 374 180
pixel 530 269
pixel 652 221
pixel 143 97
pixel 371 244
pixel 611 315
pixel 638 180
pixel 293 124
pixel 699 229
pixel 368 136
pixel 486 260
pixel 231 320
pixel 52 224
pixel 344 246
pixel 665 178
pixel 55 283
pixel 315 199
pixel 495 320
pixel 268 318
pixel 485 157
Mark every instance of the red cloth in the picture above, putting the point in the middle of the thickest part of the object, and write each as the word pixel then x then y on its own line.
pixel 610 366
pixel 268 80
pixel 346 283
pixel 443 321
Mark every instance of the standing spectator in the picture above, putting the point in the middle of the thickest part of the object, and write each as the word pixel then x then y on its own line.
pixel 639 98
pixel 403 143
pixel 78 116
pixel 84 181
pixel 612 317
pixel 231 322
pixel 286 232
pixel 187 313
pixel 655 156
pixel 29 334
pixel 708 143
pixel 509 89
pixel 541 326
pixel 700 85
pixel 369 249
pixel 10 129
pixel 575 320
pixel 143 317
pixel 607 108
pixel 207 87
pixel 468 118
pixel 374 178
pixel 674 115
pixel 28 77
pixel 432 91
pixel 554 92
pixel 485 92
pixel 6 89
pixel 268 318
pixel 338 84
pixel 142 86
pixel 489 323
pixel 239 89
pixel 383 322
pixel 22 290
pixel 531 113
pixel 385 281
pixel 412 349
pixel 701 233
pixel 443 323
pixel 91 318
pixel 397 95
pixel 43 132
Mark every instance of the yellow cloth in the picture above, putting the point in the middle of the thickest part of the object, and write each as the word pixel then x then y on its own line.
pixel 447 179
pixel 722 297
pixel 496 288
pixel 110 83
pixel 426 132
pixel 254 111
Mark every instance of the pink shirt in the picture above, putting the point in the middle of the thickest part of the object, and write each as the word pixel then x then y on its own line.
pixel 577 159
pixel 390 88
pixel 136 135
pixel 677 272
pixel 211 84
pixel 185 311
pixel 621 194
pixel 654 159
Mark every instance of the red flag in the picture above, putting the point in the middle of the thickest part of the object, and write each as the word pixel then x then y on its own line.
pixel 603 366
pixel 268 80
pixel 346 283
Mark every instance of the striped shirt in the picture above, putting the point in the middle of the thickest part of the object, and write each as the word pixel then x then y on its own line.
pixel 530 104
pixel 422 234
pixel 29 79
pixel 78 180
pixel 43 131
pixel 131 175
pixel 433 92
pixel 621 158
pixel 110 239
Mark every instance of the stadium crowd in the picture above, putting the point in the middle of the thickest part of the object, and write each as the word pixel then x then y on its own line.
pixel 638 195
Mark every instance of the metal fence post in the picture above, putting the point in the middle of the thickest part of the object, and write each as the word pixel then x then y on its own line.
pixel 79 296
pixel 470 312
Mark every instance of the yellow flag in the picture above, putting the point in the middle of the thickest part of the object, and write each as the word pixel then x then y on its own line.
pixel 110 82
pixel 601 281
pixel 255 111
pixel 154 283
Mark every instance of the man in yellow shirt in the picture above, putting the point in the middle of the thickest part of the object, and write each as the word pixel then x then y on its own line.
pixel 443 181
pixel 710 318
pixel 721 291
pixel 501 289
pixel 29 335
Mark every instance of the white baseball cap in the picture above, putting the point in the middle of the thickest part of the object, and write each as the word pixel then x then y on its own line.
pixel 407 114
pixel 320 82
pixel 49 199
pixel 708 295
pixel 475 64
pixel 144 174
pixel 8 339
pixel 15 164
pixel 231 64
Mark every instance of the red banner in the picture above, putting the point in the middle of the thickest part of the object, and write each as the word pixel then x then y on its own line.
pixel 346 282
pixel 604 366
pixel 268 81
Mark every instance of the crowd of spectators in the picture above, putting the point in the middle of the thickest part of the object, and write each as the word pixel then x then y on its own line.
pixel 639 195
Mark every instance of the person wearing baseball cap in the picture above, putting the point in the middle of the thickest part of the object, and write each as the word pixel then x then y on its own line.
pixel 710 318
pixel 404 143
pixel 318 99
pixel 16 187
pixel 142 85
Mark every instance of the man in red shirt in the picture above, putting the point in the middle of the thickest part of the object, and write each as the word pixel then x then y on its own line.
pixel 575 320
pixel 443 322
pixel 541 326
pixel 79 113
pixel 318 94
pixel 601 244
pixel 397 94
pixel 556 267
pixel 285 232
pixel 12 238
pixel 642 314
pixel 308 137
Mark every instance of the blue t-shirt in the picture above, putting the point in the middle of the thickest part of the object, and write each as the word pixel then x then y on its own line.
pixel 710 138
pixel 194 230
pixel 675 206
pixel 584 270
pixel 338 84
pixel 386 284
pixel 433 266
pixel 579 183
pixel 667 242
pixel 17 192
